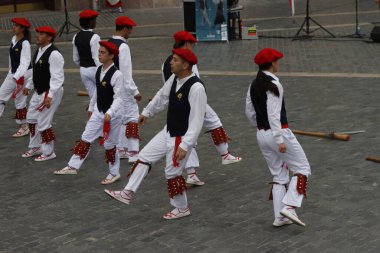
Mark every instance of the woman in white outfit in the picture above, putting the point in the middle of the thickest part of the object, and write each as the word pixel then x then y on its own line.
pixel 19 73
pixel 265 109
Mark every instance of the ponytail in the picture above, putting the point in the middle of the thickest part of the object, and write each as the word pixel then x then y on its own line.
pixel 264 83
pixel 27 34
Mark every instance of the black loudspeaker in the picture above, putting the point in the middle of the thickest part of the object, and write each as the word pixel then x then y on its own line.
pixel 375 34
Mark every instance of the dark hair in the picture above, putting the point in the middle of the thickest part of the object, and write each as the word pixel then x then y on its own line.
pixel 87 23
pixel 179 44
pixel 27 34
pixel 121 27
pixel 264 82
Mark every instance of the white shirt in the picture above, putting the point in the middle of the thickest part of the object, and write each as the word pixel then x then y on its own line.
pixel 197 100
pixel 118 89
pixel 125 66
pixel 56 63
pixel 25 57
pixel 274 105
pixel 94 44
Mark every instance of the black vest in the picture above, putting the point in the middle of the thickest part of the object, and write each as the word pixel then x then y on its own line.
pixel 15 55
pixel 104 89
pixel 259 101
pixel 82 42
pixel 118 43
pixel 167 70
pixel 179 107
pixel 41 70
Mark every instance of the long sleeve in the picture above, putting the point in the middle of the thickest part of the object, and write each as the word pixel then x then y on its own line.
pixel 75 52
pixel 160 101
pixel 195 70
pixel 94 43
pixel 24 60
pixel 57 77
pixel 250 112
pixel 125 66
pixel 119 92
pixel 274 104
pixel 198 102
pixel 93 101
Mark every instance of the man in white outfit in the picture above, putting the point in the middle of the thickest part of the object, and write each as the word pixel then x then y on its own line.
pixel 185 97
pixel 48 78
pixel 265 109
pixel 184 39
pixel 86 50
pixel 129 139
pixel 104 116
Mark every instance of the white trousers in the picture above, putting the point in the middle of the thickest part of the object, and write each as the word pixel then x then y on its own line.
pixel 88 79
pixel 94 129
pixel 42 119
pixel 294 158
pixel 211 121
pixel 161 145
pixel 6 90
pixel 130 114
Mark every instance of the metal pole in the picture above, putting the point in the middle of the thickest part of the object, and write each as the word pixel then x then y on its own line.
pixel 307 18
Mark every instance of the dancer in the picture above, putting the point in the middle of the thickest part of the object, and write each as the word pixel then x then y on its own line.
pixel 48 78
pixel 185 97
pixel 86 50
pixel 212 123
pixel 19 73
pixel 265 109
pixel 129 139
pixel 104 116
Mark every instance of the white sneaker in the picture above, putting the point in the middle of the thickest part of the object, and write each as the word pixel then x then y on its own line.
pixel 281 221
pixel 24 130
pixel 123 154
pixel 110 179
pixel 133 157
pixel 66 171
pixel 194 180
pixel 290 213
pixel 32 152
pixel 228 159
pixel 43 158
pixel 126 197
pixel 177 213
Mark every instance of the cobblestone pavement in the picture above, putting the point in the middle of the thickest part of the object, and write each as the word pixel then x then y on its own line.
pixel 330 85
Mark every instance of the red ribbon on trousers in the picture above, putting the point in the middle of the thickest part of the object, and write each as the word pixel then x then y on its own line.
pixel 19 86
pixel 42 105
pixel 176 145
pixel 106 132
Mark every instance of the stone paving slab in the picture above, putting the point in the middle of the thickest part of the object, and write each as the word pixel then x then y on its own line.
pixel 41 212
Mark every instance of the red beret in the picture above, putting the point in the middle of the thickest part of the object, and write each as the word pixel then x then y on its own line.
pixel 21 21
pixel 186 54
pixel 111 47
pixel 125 21
pixel 184 36
pixel 267 55
pixel 88 14
pixel 47 29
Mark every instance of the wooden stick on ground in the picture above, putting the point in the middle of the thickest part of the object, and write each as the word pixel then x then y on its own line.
pixel 334 136
pixel 373 159
pixel 82 93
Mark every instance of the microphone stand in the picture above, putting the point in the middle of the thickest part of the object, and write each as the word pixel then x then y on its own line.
pixel 306 23
pixel 67 22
